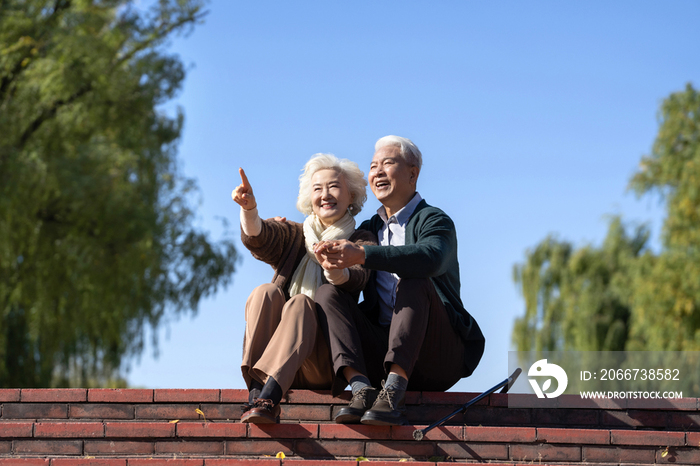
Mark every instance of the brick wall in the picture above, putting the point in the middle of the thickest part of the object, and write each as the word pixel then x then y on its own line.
pixel 201 427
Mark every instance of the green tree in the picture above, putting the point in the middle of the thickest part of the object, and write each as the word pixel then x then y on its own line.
pixel 578 298
pixel 97 235
pixel 667 288
pixel 621 296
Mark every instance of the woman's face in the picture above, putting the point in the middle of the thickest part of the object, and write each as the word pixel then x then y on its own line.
pixel 330 196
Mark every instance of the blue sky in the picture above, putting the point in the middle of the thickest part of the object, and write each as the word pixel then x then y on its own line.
pixel 531 117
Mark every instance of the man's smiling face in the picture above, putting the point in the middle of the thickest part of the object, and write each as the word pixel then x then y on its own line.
pixel 391 178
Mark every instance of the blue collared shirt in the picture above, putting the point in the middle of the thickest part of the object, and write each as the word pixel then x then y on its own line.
pixel 393 233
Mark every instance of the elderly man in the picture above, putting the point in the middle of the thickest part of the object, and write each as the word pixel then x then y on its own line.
pixel 411 328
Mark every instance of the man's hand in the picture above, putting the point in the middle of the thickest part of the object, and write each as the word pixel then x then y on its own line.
pixel 339 254
pixel 243 194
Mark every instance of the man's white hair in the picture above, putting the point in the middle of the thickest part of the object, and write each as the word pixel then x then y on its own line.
pixel 408 150
pixel 354 179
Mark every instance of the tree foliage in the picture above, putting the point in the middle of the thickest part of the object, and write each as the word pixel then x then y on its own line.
pixel 622 296
pixel 667 291
pixel 97 235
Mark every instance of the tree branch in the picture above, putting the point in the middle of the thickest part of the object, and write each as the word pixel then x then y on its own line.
pixel 8 78
pixel 161 33
pixel 59 6
pixel 50 113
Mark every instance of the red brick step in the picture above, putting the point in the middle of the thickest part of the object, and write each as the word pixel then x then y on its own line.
pixel 152 427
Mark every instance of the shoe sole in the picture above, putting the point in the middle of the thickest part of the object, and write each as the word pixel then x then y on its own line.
pixel 259 420
pixel 374 420
pixel 344 417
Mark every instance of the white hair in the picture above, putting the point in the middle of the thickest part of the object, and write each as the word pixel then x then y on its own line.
pixel 354 180
pixel 408 150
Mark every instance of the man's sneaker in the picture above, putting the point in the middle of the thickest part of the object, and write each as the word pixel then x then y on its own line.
pixel 262 412
pixel 361 401
pixel 387 410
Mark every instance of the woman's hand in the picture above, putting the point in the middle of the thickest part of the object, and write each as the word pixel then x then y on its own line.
pixel 320 251
pixel 243 194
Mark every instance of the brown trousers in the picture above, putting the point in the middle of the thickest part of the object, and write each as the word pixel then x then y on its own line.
pixel 283 340
pixel 420 337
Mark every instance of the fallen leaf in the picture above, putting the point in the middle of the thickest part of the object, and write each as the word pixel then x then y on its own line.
pixel 199 411
pixel 361 458
pixel 175 421
pixel 280 455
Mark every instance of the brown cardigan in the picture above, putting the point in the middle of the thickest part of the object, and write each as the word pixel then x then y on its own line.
pixel 281 244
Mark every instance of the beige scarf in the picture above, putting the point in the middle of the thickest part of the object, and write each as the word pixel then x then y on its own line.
pixel 309 274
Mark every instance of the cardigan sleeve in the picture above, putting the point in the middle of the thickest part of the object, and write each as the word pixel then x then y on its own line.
pixel 435 242
pixel 273 242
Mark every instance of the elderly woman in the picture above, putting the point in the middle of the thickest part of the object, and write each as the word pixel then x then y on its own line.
pixel 283 345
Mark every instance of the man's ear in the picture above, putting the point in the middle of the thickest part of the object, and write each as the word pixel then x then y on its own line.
pixel 414 175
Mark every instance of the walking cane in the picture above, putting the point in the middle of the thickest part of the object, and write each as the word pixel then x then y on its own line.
pixel 506 384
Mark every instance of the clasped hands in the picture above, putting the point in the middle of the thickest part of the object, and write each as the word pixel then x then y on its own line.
pixel 338 254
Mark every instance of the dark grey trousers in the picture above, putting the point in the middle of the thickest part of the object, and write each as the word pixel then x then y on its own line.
pixel 420 338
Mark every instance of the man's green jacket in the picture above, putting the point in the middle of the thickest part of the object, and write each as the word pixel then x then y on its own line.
pixel 430 252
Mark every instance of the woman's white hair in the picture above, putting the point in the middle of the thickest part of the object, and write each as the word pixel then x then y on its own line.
pixel 408 150
pixel 354 179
